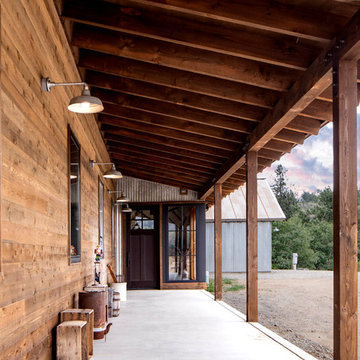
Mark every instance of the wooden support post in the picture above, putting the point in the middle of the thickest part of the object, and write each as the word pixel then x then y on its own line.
pixel 345 210
pixel 251 238
pixel 217 242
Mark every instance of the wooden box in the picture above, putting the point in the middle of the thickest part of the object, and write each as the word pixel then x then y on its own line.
pixel 71 340
pixel 84 315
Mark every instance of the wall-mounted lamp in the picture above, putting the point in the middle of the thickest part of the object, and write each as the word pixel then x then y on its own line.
pixel 110 174
pixel 126 209
pixel 83 104
pixel 121 199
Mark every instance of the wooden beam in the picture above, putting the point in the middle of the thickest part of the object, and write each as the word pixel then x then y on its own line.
pixel 139 169
pixel 263 15
pixel 217 243
pixel 314 81
pixel 113 112
pixel 157 162
pixel 181 57
pixel 230 40
pixel 190 99
pixel 158 139
pixel 161 156
pixel 197 159
pixel 178 117
pixel 247 113
pixel 277 145
pixel 319 109
pixel 345 211
pixel 305 124
pixel 171 133
pixel 177 79
pixel 270 154
pixel 251 238
pixel 146 175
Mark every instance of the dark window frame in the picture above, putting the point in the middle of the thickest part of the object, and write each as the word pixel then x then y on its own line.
pixel 72 137
pixel 101 216
pixel 200 244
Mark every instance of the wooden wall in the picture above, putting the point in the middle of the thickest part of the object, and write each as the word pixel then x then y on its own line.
pixel 36 279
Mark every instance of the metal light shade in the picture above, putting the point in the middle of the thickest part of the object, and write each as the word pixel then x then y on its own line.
pixel 85 104
pixel 122 199
pixel 126 209
pixel 113 173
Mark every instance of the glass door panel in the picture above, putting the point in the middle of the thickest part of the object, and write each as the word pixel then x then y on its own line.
pixel 182 243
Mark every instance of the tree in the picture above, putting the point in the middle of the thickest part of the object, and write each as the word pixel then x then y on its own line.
pixel 308 197
pixel 290 237
pixel 284 195
pixel 324 210
pixel 321 234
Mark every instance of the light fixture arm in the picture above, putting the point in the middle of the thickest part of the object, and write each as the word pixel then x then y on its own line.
pixel 92 163
pixel 47 84
pixel 113 191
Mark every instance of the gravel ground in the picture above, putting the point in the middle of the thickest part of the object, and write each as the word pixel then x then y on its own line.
pixel 298 305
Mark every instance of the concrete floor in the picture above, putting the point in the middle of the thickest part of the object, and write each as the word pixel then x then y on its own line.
pixel 184 324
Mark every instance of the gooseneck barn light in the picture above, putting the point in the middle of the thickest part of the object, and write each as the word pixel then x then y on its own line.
pixel 110 174
pixel 83 104
pixel 121 199
pixel 126 209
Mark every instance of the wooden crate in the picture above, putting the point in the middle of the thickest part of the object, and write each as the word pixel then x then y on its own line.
pixel 71 340
pixel 84 315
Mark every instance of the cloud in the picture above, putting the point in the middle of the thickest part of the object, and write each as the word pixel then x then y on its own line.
pixel 309 166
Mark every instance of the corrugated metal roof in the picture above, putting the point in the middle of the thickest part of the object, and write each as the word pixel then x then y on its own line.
pixel 233 206
pixel 139 190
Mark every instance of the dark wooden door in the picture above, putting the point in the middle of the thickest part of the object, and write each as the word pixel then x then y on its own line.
pixel 143 259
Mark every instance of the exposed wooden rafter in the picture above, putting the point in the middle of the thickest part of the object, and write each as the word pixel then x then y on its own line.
pixel 182 57
pixel 263 14
pixel 314 81
pixel 271 48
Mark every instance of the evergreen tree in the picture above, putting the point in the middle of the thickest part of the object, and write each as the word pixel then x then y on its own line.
pixel 284 195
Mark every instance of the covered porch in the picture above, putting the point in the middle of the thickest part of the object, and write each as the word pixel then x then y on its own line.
pixel 177 324
pixel 198 98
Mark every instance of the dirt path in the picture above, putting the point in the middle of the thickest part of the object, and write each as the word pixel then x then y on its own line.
pixel 295 304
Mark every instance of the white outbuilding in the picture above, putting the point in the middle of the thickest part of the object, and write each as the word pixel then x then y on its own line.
pixel 233 209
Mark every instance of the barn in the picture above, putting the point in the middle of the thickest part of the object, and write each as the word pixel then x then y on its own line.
pixel 233 210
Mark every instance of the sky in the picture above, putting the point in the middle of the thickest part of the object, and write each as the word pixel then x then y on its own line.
pixel 310 166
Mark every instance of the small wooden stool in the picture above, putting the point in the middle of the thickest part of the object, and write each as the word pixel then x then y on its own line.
pixel 84 315
pixel 71 340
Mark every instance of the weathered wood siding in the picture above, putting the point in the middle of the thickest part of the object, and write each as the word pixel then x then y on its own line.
pixel 36 279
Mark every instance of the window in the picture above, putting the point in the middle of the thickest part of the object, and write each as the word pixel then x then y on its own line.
pixel 74 199
pixel 182 244
pixel 142 220
pixel 101 216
